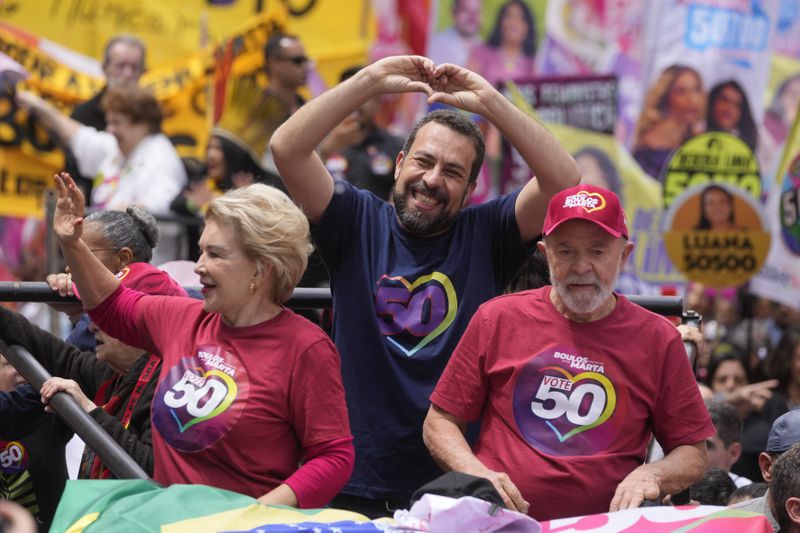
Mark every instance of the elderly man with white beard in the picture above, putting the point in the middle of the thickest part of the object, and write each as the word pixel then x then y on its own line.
pixel 571 380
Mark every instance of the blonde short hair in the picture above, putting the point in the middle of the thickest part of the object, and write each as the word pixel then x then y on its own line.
pixel 270 228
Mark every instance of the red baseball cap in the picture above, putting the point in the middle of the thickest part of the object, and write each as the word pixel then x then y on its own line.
pixel 147 278
pixel 586 202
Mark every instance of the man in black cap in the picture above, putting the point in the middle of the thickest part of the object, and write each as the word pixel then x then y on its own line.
pixel 784 434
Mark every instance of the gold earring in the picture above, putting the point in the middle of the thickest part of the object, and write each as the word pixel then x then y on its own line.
pixel 253 287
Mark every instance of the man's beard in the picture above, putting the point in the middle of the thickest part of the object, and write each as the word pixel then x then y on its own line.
pixel 583 302
pixel 419 223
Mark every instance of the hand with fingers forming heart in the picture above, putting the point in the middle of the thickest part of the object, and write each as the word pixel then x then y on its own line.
pixel 461 88
pixel 402 74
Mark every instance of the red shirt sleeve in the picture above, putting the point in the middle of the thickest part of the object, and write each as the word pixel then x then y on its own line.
pixel 327 468
pixel 319 415
pixel 117 317
pixel 462 389
pixel 317 407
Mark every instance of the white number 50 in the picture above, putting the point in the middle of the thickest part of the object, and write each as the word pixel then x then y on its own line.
pixel 569 404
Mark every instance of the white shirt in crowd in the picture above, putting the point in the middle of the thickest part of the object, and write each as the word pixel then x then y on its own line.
pixel 151 176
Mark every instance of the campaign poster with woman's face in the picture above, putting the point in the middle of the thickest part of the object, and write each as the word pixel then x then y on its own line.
pixel 498 39
pixel 708 73
pixel 716 234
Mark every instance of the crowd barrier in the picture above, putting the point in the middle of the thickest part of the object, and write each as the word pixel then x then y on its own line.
pixel 302 297
pixel 95 437
pixel 112 455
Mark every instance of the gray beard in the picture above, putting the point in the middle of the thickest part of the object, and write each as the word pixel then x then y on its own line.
pixel 582 306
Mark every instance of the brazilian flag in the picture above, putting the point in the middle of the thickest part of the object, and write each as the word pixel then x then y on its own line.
pixel 142 506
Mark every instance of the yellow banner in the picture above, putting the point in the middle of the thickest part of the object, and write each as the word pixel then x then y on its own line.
pixel 29 157
pixel 23 180
pixel 183 89
pixel 716 157
pixel 171 30
pixel 44 69
pixel 337 35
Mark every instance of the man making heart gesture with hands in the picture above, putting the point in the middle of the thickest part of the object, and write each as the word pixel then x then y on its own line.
pixel 408 275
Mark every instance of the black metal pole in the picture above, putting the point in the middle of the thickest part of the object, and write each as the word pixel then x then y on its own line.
pixel 302 297
pixel 51 246
pixel 31 291
pixel 111 453
pixel 663 305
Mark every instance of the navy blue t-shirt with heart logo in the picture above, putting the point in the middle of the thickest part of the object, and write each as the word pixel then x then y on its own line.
pixel 401 304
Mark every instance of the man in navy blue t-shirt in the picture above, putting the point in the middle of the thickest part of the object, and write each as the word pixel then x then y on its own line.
pixel 406 278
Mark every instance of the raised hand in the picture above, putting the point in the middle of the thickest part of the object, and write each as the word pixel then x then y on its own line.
pixel 199 193
pixel 403 74
pixel 68 217
pixel 29 101
pixel 461 88
pixel 751 397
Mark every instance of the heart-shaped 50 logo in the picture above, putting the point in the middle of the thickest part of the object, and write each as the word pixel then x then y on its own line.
pixel 200 399
pixel 13 458
pixel 413 314
pixel 202 396
pixel 562 409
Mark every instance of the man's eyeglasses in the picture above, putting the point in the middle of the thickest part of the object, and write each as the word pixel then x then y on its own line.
pixel 95 250
pixel 297 60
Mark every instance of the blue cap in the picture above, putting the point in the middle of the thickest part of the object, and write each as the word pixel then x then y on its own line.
pixel 785 432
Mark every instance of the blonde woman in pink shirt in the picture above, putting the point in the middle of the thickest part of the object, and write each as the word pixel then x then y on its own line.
pixel 248 390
